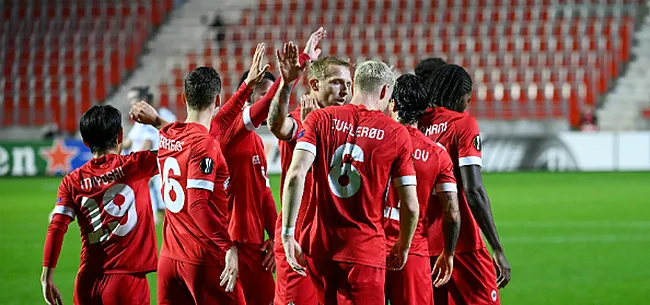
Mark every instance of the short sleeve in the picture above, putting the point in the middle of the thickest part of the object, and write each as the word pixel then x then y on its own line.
pixel 297 127
pixel 64 200
pixel 469 143
pixel 445 181
pixel 204 160
pixel 403 170
pixel 308 135
pixel 147 163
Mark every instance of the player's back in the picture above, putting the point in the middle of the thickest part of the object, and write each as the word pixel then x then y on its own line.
pixel 434 172
pixel 184 165
pixel 459 134
pixel 357 150
pixel 110 198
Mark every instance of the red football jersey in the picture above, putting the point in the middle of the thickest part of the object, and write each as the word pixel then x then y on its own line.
pixel 190 158
pixel 460 135
pixel 435 173
pixel 357 151
pixel 307 210
pixel 110 198
pixel 244 152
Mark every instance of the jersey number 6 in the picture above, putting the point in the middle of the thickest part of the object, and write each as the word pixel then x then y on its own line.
pixel 169 184
pixel 344 178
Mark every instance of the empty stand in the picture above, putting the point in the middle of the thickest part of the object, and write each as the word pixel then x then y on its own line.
pixel 60 57
pixel 529 59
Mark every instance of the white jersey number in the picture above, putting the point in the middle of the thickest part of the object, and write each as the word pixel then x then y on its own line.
pixel 127 198
pixel 171 184
pixel 342 171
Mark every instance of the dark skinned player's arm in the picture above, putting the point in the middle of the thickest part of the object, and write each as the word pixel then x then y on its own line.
pixel 479 203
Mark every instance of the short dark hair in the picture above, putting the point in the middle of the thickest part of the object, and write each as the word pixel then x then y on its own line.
pixel 410 96
pixel 100 127
pixel 143 94
pixel 202 85
pixel 449 84
pixel 267 75
pixel 427 66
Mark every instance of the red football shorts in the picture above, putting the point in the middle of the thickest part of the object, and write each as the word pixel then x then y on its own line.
pixel 111 289
pixel 257 283
pixel 473 282
pixel 291 287
pixel 347 283
pixel 412 284
pixel 185 283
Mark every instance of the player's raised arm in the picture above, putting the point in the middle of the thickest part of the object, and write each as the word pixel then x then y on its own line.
pixel 144 113
pixel 229 112
pixel 282 126
pixel 260 110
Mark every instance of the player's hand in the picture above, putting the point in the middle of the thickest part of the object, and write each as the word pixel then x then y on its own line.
pixel 229 275
pixel 257 69
pixel 398 256
pixel 312 43
pixel 307 105
pixel 269 259
pixel 290 68
pixel 442 269
pixel 144 113
pixel 293 253
pixel 50 291
pixel 503 269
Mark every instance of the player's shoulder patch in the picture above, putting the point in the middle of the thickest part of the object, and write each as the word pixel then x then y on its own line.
pixel 207 165
pixel 477 142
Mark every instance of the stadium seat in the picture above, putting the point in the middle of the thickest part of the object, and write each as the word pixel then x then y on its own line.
pixel 52 43
pixel 538 55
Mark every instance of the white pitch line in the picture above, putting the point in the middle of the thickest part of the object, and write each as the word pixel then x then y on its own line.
pixel 605 238
pixel 574 224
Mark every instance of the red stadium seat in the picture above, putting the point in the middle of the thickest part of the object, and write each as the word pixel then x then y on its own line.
pixel 511 42
pixel 58 41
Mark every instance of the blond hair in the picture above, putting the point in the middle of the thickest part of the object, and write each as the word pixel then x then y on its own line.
pixel 318 68
pixel 371 75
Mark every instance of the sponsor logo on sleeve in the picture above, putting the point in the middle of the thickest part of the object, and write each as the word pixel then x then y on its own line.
pixel 477 142
pixel 301 134
pixel 58 200
pixel 207 165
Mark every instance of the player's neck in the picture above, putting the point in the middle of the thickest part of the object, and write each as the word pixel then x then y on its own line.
pixel 199 117
pixel 369 101
pixel 115 151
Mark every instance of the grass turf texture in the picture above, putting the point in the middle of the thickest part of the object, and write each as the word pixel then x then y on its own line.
pixel 572 238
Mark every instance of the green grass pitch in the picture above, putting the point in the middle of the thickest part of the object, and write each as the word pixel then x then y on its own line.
pixel 572 238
